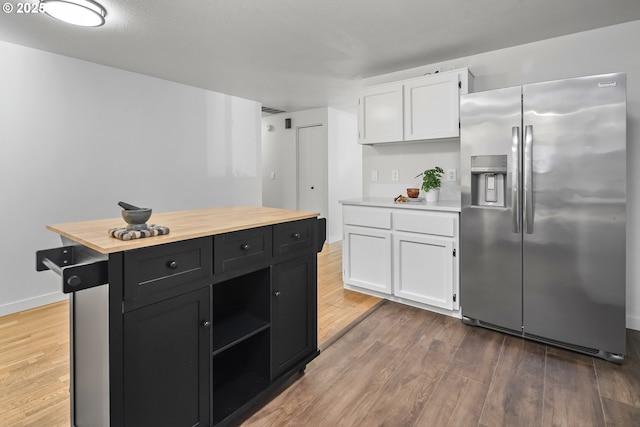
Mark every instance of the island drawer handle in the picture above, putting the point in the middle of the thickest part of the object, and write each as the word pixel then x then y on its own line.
pixel 296 236
pixel 246 247
pixel 172 265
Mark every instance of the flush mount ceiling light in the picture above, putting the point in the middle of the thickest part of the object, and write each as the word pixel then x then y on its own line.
pixel 86 13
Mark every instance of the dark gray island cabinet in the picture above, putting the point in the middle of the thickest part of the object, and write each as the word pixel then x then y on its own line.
pixel 194 328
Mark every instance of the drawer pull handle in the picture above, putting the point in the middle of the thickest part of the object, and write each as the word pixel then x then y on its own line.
pixel 172 265
pixel 206 323
pixel 277 293
pixel 246 247
pixel 296 236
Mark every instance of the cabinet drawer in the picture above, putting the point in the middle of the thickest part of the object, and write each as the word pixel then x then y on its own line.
pixel 241 249
pixel 443 224
pixel 366 217
pixel 159 268
pixel 293 237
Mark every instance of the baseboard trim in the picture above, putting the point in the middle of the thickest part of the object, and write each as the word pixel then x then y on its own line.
pixel 29 303
pixel 633 322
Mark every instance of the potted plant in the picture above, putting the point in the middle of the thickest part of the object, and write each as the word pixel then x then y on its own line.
pixel 431 183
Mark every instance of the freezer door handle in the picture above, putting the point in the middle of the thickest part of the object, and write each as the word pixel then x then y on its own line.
pixel 528 179
pixel 516 160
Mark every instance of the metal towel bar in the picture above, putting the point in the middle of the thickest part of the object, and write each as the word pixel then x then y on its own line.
pixel 77 269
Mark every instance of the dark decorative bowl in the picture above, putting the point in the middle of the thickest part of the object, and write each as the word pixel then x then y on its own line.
pixel 136 218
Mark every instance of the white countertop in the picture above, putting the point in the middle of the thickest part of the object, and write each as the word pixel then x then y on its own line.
pixel 387 202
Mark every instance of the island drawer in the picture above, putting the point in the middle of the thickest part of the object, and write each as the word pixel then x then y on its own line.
pixel 240 249
pixel 293 237
pixel 167 269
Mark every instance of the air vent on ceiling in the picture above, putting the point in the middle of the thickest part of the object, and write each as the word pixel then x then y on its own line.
pixel 270 110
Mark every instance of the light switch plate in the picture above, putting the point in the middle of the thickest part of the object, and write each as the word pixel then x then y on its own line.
pixel 374 175
pixel 450 175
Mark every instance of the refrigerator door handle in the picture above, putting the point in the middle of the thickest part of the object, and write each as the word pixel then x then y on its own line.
pixel 516 208
pixel 528 179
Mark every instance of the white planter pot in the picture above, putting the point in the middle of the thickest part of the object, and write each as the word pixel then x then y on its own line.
pixel 432 195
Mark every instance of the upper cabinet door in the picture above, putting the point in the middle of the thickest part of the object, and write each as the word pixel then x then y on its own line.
pixel 380 114
pixel 431 107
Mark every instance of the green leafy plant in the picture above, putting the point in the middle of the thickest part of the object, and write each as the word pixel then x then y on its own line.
pixel 431 178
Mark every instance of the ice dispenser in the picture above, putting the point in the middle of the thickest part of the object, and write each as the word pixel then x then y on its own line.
pixel 488 180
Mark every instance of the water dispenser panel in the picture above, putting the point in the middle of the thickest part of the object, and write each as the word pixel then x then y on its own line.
pixel 490 187
pixel 488 180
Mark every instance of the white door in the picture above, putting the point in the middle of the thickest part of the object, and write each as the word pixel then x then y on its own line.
pixel 423 269
pixel 366 258
pixel 312 170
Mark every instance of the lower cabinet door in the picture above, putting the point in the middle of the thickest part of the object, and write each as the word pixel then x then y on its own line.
pixel 424 269
pixel 167 354
pixel 293 313
pixel 366 258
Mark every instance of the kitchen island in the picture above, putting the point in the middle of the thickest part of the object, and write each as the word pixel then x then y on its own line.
pixel 404 252
pixel 191 328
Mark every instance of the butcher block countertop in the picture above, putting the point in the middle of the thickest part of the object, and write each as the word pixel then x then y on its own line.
pixel 183 225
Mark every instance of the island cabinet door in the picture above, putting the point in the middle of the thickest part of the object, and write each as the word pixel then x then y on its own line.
pixel 166 362
pixel 293 313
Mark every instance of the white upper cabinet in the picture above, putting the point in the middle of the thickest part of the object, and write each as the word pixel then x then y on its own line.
pixel 380 114
pixel 418 109
pixel 431 107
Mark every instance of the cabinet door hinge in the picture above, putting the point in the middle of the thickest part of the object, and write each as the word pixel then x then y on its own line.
pixel 459 85
pixel 454 297
pixel 454 252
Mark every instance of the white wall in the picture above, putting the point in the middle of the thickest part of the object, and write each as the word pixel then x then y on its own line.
pixel 345 167
pixel 610 49
pixel 77 137
pixel 344 161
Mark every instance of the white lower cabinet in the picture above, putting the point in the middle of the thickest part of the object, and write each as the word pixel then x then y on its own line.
pixel 405 255
pixel 423 269
pixel 365 254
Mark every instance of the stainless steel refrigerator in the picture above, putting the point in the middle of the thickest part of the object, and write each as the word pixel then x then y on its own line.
pixel 543 177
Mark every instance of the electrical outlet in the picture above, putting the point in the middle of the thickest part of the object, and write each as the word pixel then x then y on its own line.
pixel 273 175
pixel 450 174
pixel 374 175
pixel 394 175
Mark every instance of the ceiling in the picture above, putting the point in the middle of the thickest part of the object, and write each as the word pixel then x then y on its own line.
pixel 298 54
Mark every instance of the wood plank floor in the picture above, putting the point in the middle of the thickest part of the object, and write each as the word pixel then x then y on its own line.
pixel 402 366
pixel 34 367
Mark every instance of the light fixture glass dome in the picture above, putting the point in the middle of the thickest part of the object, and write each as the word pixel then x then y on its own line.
pixel 86 13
